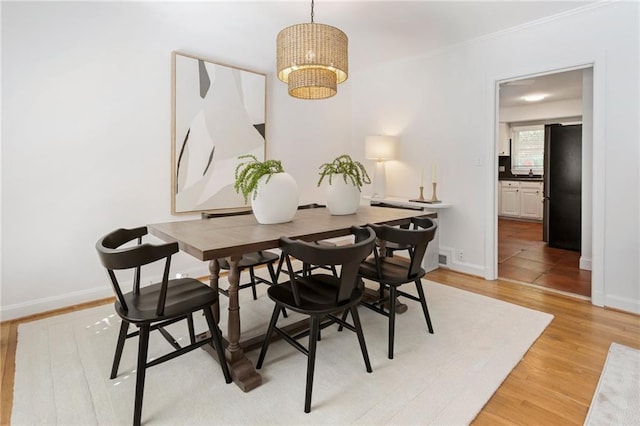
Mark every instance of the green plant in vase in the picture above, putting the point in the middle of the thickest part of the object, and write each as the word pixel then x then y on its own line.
pixel 248 173
pixel 343 195
pixel 351 171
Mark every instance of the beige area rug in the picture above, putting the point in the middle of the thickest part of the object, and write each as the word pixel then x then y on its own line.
pixel 63 365
pixel 616 400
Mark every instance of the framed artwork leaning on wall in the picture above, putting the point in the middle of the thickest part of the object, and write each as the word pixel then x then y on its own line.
pixel 218 114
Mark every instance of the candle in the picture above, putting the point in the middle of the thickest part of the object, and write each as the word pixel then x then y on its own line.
pixel 435 173
pixel 422 176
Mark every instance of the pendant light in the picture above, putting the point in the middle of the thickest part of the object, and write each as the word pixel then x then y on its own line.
pixel 312 59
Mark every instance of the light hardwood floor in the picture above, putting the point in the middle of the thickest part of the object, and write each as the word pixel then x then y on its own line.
pixel 553 384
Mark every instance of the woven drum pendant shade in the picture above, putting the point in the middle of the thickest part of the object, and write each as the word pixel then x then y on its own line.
pixel 312 58
pixel 312 83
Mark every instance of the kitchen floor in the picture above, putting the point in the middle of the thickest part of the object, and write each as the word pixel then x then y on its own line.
pixel 523 256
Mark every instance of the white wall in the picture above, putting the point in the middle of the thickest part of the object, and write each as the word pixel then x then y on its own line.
pixel 86 136
pixel 445 106
pixel 306 134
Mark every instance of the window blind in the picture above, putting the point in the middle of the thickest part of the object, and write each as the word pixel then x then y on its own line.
pixel 528 150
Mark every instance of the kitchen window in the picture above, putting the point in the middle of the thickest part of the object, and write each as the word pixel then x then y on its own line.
pixel 528 150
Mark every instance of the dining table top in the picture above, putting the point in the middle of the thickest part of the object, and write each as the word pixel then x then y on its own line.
pixel 219 237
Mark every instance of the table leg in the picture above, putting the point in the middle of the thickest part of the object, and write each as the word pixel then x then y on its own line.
pixel 214 269
pixel 242 370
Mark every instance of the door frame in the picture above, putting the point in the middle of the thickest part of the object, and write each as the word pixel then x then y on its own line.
pixel 598 157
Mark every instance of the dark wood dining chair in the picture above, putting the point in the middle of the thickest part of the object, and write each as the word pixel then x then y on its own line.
pixel 390 247
pixel 320 296
pixel 392 272
pixel 154 306
pixel 306 268
pixel 249 261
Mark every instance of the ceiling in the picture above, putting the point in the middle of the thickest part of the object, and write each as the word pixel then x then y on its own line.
pixel 382 31
pixel 378 31
pixel 557 87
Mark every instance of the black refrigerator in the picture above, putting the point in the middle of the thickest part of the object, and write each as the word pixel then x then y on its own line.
pixel 562 219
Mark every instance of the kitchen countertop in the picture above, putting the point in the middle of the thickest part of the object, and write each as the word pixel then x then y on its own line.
pixel 523 179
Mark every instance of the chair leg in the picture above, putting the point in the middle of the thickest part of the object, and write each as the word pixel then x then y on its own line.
pixel 358 327
pixel 279 268
pixel 143 346
pixel 253 282
pixel 311 361
pixel 272 274
pixel 267 338
pixel 122 336
pixel 217 341
pixel 392 318
pixel 344 318
pixel 192 332
pixel 274 280
pixel 423 302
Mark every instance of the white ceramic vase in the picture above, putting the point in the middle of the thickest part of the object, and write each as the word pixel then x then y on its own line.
pixel 276 201
pixel 342 198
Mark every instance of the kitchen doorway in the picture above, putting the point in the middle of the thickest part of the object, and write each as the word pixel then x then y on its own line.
pixel 523 254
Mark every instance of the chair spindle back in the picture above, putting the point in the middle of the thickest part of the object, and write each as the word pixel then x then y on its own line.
pixel 348 257
pixel 114 258
pixel 422 231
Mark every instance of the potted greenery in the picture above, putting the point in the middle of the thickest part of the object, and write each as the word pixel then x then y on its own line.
pixel 273 192
pixel 345 180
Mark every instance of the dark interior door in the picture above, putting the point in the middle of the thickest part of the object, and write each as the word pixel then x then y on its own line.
pixel 563 186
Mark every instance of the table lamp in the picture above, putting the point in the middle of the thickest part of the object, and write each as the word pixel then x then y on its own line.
pixel 380 148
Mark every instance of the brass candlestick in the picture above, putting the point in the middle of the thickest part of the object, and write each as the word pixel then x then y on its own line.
pixel 421 197
pixel 434 197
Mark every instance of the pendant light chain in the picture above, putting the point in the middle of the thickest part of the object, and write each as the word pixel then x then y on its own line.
pixel 312 11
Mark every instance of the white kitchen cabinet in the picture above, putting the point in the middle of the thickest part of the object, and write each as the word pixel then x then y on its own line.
pixel 531 200
pixel 509 198
pixel 504 139
pixel 521 199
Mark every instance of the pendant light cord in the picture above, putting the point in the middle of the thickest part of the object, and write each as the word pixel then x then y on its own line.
pixel 312 11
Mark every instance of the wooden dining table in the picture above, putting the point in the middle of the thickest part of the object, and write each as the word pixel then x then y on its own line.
pixel 232 236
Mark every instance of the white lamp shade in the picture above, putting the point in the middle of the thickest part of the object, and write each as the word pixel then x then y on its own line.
pixel 380 147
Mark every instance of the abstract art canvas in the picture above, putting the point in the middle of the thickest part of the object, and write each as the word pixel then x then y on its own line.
pixel 218 115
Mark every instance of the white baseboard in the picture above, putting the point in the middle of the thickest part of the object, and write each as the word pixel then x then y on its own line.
pixel 623 303
pixel 597 298
pixel 448 254
pixel 37 306
pixel 20 310
pixel 468 268
pixel 445 256
pixel 585 263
